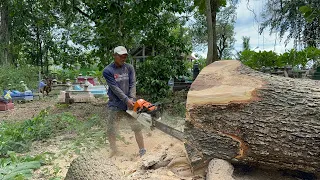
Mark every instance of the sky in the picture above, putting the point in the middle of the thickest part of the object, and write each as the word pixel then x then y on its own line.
pixel 247 25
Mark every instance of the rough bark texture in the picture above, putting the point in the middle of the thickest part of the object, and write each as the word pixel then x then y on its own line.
pixel 238 114
pixel 214 9
pixel 92 166
pixel 210 53
pixel 4 32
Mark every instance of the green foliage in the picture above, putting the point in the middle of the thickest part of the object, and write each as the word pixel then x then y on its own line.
pixel 202 5
pixel 224 31
pixel 18 136
pixel 286 18
pixel 310 13
pixel 45 33
pixel 21 167
pixel 13 75
pixel 154 73
pixel 66 73
pixel 63 74
pixel 257 60
pixel 246 43
pixel 261 59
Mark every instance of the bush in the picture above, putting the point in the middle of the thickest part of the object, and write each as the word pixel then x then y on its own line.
pixel 257 60
pixel 18 136
pixel 154 73
pixel 13 75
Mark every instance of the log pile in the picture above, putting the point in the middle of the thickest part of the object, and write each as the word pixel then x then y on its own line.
pixel 241 115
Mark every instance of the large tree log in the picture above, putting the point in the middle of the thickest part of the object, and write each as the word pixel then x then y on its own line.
pixel 236 113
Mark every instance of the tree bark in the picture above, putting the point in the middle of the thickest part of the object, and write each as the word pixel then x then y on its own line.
pixel 210 53
pixel 241 115
pixel 222 46
pixel 214 9
pixel 211 12
pixel 4 32
pixel 93 166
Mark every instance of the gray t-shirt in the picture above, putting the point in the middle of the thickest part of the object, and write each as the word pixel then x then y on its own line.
pixel 122 84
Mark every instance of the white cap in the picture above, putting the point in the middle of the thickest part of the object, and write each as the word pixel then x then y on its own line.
pixel 120 50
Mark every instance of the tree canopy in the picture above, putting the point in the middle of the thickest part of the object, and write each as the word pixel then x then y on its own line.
pixel 286 17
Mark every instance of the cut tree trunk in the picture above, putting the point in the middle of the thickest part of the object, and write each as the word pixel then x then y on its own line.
pixel 93 166
pixel 241 115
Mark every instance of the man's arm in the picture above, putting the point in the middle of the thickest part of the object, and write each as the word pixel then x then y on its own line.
pixel 132 84
pixel 113 86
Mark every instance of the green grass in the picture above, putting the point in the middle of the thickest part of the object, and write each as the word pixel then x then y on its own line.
pixel 17 138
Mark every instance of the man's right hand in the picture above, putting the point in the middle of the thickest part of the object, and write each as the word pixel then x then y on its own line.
pixel 130 104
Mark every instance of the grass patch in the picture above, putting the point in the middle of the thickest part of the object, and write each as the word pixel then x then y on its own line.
pixel 17 138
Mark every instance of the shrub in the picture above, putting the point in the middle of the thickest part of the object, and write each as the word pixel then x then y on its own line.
pixel 13 75
pixel 154 73
pixel 18 136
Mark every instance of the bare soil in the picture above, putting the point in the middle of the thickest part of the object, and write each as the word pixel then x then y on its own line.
pixel 26 110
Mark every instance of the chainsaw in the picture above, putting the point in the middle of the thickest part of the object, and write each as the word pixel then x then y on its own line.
pixel 152 116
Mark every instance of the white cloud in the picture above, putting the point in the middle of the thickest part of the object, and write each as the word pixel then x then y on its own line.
pixel 248 24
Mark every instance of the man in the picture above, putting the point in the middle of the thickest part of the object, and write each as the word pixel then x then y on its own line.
pixel 121 80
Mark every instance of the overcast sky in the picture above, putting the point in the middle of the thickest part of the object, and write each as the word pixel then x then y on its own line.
pixel 247 25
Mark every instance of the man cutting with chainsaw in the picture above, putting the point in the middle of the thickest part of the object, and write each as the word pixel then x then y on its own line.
pixel 121 80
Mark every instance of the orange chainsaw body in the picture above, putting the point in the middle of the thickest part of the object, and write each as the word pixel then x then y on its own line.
pixel 142 104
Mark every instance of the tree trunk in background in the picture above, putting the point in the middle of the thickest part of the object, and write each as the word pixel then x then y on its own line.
pixel 241 115
pixel 4 32
pixel 39 54
pixel 214 10
pixel 211 12
pixel 210 53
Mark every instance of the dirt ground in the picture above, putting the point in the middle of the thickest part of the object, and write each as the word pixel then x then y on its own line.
pixel 28 110
pixel 160 147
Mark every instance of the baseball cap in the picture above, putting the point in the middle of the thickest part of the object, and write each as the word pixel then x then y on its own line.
pixel 120 50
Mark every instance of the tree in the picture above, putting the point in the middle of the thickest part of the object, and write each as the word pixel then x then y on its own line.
pixel 252 118
pixel 285 16
pixel 224 31
pixel 245 43
pixel 4 32
pixel 310 13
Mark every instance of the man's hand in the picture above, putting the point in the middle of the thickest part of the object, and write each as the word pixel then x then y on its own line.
pixel 130 104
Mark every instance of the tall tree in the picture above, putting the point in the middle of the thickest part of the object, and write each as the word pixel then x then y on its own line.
pixel 245 43
pixel 210 9
pixel 4 32
pixel 224 31
pixel 212 40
